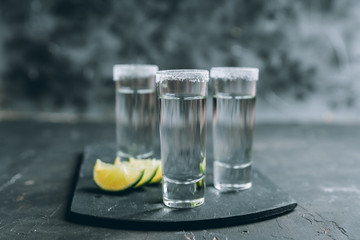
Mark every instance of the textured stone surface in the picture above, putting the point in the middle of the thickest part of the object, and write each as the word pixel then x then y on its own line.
pixel 318 165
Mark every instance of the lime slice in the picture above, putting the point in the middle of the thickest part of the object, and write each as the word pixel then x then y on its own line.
pixel 117 161
pixel 118 177
pixel 151 167
pixel 145 163
pixel 203 166
pixel 158 176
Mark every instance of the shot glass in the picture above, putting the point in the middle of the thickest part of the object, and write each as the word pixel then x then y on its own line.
pixel 234 99
pixel 135 110
pixel 182 124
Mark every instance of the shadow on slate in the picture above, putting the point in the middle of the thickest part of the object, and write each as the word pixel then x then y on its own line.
pixel 142 209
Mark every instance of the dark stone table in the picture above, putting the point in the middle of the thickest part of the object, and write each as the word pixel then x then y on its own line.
pixel 318 165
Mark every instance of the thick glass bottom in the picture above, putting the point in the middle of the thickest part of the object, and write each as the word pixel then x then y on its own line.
pixel 183 194
pixel 232 177
pixel 183 204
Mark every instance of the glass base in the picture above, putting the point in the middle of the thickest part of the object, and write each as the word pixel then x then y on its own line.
pixel 232 187
pixel 232 177
pixel 183 204
pixel 183 194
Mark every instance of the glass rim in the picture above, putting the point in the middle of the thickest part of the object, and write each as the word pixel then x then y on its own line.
pixel 235 73
pixel 133 70
pixel 193 75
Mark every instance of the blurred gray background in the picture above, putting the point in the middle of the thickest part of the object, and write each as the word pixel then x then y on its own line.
pixel 56 56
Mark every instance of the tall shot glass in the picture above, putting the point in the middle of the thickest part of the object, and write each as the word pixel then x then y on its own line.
pixel 182 124
pixel 234 100
pixel 135 110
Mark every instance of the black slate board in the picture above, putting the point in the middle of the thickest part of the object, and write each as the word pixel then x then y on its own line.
pixel 143 208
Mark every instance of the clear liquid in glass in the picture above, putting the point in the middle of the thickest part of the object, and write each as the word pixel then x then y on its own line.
pixel 135 122
pixel 183 152
pixel 233 125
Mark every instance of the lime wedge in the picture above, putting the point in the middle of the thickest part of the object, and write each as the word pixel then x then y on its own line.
pixel 151 167
pixel 118 177
pixel 117 161
pixel 158 176
pixel 203 166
